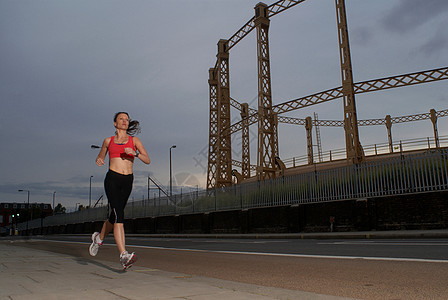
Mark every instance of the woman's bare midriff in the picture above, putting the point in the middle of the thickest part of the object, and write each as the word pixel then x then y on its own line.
pixel 122 166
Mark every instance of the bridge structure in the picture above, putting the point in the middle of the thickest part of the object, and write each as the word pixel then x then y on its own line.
pixel 269 165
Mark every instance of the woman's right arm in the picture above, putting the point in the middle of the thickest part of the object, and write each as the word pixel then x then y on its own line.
pixel 100 159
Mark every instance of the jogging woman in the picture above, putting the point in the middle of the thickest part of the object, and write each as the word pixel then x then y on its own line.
pixel 123 148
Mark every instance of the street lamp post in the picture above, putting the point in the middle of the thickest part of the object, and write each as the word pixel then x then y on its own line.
pixel 90 192
pixel 171 171
pixel 28 208
pixel 54 193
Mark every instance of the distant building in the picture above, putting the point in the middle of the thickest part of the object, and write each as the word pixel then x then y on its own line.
pixel 34 211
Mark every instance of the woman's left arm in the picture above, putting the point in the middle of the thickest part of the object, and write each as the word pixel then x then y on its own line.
pixel 143 155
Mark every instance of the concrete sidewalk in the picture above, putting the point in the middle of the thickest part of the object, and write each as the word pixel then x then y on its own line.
pixel 34 274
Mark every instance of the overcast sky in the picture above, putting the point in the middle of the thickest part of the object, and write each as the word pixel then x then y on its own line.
pixel 67 66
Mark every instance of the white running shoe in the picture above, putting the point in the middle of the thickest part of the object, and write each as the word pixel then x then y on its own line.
pixel 93 249
pixel 127 259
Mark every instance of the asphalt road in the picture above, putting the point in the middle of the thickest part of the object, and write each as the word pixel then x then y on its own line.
pixel 365 269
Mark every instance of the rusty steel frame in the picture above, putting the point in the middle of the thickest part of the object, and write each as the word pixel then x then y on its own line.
pixel 360 87
pixel 268 116
pixel 433 115
pixel 213 132
pixel 272 10
pixel 224 148
pixel 367 122
pixel 245 142
pixel 267 131
pixel 309 139
pixel 353 147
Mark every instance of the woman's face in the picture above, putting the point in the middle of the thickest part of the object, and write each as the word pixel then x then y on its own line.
pixel 122 122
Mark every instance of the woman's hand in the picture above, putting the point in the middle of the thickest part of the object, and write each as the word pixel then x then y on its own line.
pixel 99 161
pixel 130 151
pixel 102 155
pixel 142 155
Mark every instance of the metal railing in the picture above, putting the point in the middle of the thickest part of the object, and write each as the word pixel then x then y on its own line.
pixel 403 174
pixel 374 150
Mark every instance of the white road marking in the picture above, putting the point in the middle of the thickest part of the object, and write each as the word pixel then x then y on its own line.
pixel 387 243
pixel 276 254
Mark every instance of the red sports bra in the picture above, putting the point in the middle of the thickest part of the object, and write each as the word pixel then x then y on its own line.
pixel 117 150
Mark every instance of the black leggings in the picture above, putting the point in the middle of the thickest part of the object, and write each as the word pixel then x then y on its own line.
pixel 118 188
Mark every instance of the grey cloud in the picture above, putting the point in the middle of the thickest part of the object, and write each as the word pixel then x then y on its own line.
pixel 436 43
pixel 362 35
pixel 407 15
